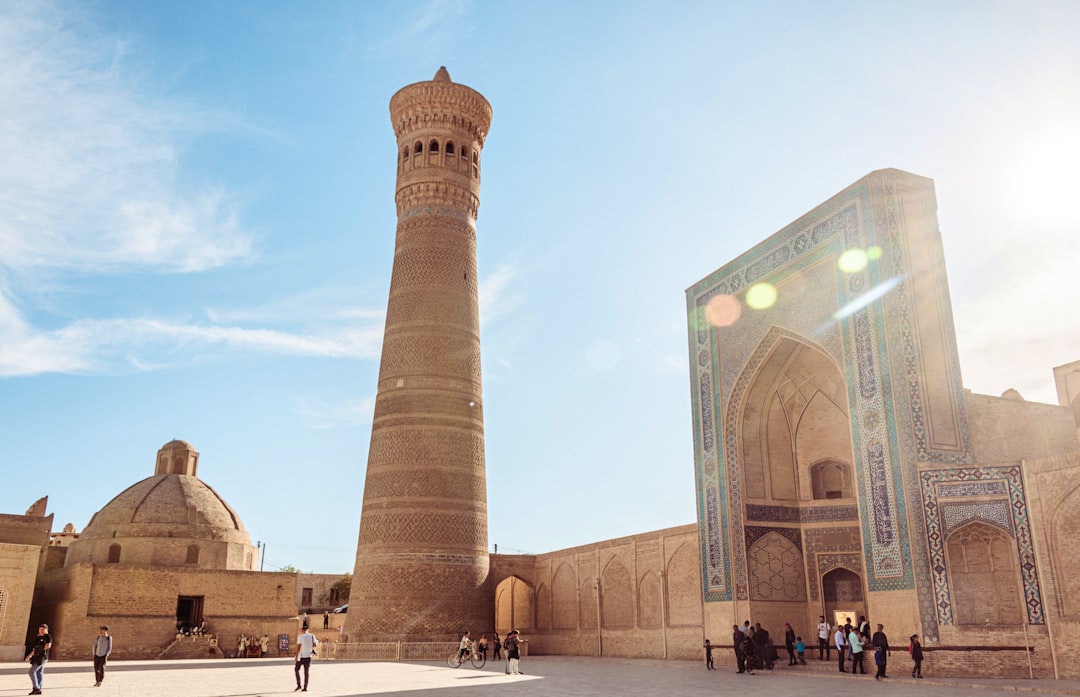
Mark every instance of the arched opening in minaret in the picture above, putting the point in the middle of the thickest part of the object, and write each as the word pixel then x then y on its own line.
pixel 450 147
pixel 433 146
pixel 418 148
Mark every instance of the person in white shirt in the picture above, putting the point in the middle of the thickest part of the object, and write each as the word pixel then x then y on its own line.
pixel 823 639
pixel 305 647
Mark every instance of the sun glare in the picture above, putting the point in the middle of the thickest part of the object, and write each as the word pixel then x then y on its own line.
pixel 1041 185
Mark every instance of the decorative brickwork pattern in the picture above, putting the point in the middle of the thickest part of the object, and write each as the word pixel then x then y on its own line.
pixel 684 587
pixel 617 595
pixel 648 587
pixel 565 596
pixel 422 561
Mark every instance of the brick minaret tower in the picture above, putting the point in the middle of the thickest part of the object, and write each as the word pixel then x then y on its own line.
pixel 422 558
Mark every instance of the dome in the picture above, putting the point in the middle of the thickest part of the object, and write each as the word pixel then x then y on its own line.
pixel 167 519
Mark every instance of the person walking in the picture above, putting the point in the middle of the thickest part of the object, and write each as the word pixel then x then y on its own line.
pixel 823 629
pixel 915 649
pixel 513 652
pixel 789 643
pixel 881 651
pixel 305 648
pixel 38 657
pixel 708 655
pixel 855 642
pixel 737 638
pixel 102 649
pixel 326 619
pixel 841 644
pixel 496 651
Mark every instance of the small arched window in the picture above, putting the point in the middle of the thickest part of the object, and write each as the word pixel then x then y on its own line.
pixel 418 148
pixel 405 153
pixel 114 554
pixel 450 147
pixel 433 146
pixel 830 480
pixel 475 165
pixel 465 152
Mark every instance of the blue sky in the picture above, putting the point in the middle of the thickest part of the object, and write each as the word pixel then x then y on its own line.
pixel 197 226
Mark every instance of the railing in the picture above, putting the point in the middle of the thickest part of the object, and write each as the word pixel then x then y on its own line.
pixel 387 651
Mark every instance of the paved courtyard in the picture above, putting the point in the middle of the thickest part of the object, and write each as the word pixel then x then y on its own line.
pixel 546 677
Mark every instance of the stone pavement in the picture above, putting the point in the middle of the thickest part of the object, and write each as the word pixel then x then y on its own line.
pixel 546 677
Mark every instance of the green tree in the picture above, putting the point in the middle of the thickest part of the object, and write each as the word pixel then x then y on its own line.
pixel 341 587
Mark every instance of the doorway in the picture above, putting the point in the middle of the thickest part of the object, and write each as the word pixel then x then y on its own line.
pixel 189 613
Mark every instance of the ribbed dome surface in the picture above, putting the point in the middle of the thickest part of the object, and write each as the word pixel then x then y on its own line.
pixel 172 518
pixel 171 500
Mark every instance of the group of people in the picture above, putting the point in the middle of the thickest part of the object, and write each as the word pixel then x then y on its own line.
pixel 755 649
pixel 37 655
pixel 511 644
pixel 247 645
pixel 852 642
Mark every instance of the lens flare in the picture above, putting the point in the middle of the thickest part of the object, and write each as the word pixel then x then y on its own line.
pixel 874 253
pixel 723 310
pixel 852 261
pixel 761 296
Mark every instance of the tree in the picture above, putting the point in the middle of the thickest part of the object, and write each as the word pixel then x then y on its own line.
pixel 341 587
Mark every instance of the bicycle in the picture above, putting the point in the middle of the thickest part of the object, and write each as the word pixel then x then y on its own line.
pixel 475 657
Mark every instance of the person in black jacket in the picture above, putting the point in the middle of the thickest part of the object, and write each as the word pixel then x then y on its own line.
pixel 915 649
pixel 38 656
pixel 789 643
pixel 881 651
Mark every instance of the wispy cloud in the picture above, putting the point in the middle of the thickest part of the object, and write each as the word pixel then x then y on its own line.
pixel 89 172
pixel 109 346
pixel 436 25
pixel 323 415
pixel 495 297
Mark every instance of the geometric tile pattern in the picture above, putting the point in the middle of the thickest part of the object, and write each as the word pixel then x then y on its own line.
pixel 776 569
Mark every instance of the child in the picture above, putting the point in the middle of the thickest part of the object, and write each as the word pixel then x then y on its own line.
pixel 800 648
pixel 915 649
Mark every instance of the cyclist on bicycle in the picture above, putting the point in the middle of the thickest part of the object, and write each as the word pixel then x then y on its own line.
pixel 465 647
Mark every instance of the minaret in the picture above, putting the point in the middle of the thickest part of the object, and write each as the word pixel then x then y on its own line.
pixel 422 557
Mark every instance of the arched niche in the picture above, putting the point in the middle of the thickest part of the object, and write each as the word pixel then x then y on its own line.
pixel 794 414
pixel 981 563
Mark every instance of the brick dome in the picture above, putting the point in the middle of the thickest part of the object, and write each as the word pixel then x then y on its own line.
pixel 168 519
